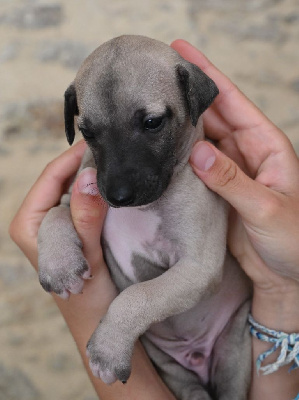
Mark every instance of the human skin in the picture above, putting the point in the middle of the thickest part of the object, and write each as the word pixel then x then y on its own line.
pixel 255 168
pixel 83 312
pixel 260 179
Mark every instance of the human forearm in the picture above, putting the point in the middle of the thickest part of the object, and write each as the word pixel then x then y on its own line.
pixel 82 314
pixel 277 310
pixel 144 383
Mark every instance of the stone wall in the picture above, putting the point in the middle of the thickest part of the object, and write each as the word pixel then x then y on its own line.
pixel 42 43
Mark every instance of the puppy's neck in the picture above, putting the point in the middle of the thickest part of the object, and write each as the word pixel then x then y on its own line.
pixel 189 138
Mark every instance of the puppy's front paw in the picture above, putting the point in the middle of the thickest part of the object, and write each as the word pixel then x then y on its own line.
pixel 63 268
pixel 110 352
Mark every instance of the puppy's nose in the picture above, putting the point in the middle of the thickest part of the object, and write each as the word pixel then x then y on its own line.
pixel 120 196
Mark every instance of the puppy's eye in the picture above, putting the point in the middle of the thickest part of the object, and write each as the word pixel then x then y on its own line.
pixel 86 133
pixel 153 124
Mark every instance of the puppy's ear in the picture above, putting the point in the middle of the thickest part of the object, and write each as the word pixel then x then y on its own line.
pixel 199 89
pixel 70 110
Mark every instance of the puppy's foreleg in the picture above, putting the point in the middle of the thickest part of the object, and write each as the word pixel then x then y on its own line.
pixel 140 305
pixel 62 266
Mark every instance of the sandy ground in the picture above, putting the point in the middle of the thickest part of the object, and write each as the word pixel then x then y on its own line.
pixel 41 45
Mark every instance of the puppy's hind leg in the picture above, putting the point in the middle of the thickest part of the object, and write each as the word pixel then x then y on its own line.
pixel 231 370
pixel 184 384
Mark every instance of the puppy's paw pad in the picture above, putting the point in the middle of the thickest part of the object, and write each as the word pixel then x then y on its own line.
pixel 105 375
pixel 109 374
pixel 110 354
pixel 65 294
pixel 64 274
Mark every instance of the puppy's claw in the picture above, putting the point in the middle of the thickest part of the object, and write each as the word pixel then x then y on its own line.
pixel 87 274
pixel 76 287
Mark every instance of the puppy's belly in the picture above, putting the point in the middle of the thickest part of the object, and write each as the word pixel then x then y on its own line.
pixel 135 234
pixel 190 337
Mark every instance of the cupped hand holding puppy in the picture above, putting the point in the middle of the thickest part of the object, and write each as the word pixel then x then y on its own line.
pixel 255 169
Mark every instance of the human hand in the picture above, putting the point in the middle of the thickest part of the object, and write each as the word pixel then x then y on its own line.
pixel 44 194
pixel 257 172
pixel 88 212
pixel 83 312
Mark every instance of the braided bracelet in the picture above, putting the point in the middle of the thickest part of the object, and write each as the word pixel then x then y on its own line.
pixel 289 344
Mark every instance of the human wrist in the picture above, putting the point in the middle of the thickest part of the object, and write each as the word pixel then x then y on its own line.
pixel 277 309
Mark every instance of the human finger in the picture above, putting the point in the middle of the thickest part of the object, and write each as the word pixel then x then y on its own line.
pixel 88 211
pixel 223 176
pixel 256 137
pixel 47 190
pixel 44 194
pixel 231 103
pixel 215 127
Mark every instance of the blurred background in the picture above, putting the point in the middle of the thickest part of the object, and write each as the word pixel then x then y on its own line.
pixel 42 43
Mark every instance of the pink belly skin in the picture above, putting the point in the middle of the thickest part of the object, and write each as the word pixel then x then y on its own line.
pixel 190 337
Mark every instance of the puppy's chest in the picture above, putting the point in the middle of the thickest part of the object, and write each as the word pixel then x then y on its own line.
pixel 138 243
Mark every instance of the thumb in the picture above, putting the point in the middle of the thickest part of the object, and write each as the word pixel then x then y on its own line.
pixel 223 176
pixel 88 212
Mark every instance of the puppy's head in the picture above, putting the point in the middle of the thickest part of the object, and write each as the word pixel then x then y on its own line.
pixel 138 103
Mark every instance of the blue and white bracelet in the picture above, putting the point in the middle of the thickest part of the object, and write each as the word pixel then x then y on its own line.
pixel 289 344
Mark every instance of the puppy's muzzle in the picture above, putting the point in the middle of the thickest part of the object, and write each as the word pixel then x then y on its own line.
pixel 132 190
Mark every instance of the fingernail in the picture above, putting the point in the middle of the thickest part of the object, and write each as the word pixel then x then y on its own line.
pixel 203 156
pixel 87 182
